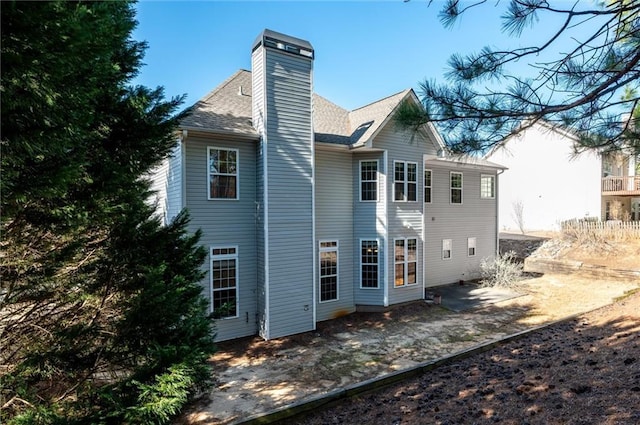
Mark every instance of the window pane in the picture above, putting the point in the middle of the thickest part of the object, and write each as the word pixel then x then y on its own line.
pixel 369 191
pixel 224 283
pixel 398 194
pixel 456 180
pixel 427 185
pixel 412 172
pixel 370 276
pixel 427 178
pixel 223 173
pixel 412 192
pixel 456 196
pixel 487 187
pixel 328 272
pixel 399 275
pixel 399 253
pixel 369 262
pixel 411 273
pixel 412 249
pixel 399 171
pixel 224 304
pixel 223 186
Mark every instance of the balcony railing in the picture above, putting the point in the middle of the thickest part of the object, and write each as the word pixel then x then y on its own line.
pixel 623 185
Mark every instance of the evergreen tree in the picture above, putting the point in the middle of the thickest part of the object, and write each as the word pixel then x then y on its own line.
pixel 101 314
pixel 590 87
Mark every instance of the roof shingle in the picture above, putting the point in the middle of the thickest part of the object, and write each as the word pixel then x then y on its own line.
pixel 227 108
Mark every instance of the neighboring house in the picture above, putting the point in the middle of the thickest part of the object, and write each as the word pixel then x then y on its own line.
pixel 548 182
pixel 310 211
pixel 621 187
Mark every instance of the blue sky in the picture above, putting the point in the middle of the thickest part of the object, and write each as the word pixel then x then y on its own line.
pixel 365 50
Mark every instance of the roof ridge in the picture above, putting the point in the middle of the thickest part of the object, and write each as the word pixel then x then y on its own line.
pixel 380 100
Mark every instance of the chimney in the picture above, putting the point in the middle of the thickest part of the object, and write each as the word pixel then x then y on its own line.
pixel 282 96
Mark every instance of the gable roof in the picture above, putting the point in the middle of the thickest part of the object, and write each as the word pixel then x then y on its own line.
pixel 227 109
pixel 527 124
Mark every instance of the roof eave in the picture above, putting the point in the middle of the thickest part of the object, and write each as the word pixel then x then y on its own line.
pixel 211 131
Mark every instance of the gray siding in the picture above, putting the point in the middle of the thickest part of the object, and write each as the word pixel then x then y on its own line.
pixel 334 221
pixel 475 217
pixel 174 183
pixel 166 183
pixel 257 110
pixel 289 148
pixel 226 223
pixel 369 223
pixel 405 219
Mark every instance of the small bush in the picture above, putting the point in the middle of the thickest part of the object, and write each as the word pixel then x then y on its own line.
pixel 502 271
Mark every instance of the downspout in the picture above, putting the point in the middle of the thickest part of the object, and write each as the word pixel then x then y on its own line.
pixel 386 230
pixel 183 170
pixel 498 212
pixel 315 263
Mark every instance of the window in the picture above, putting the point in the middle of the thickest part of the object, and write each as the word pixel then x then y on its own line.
pixel 446 249
pixel 224 282
pixel 406 260
pixel 405 181
pixel 369 264
pixel 427 186
pixel 471 247
pixel 487 186
pixel 328 271
pixel 223 173
pixel 368 180
pixel 456 187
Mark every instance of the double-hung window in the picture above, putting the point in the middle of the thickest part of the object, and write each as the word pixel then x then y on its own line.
pixel 456 187
pixel 405 181
pixel 369 180
pixel 471 247
pixel 428 181
pixel 446 249
pixel 487 186
pixel 223 173
pixel 224 282
pixel 406 261
pixel 328 271
pixel 369 264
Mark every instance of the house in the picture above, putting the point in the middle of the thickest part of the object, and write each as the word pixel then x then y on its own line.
pixel 621 186
pixel 548 181
pixel 309 211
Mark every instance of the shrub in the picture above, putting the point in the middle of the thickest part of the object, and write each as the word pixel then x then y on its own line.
pixel 501 271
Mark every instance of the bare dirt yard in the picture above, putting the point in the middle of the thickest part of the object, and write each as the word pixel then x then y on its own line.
pixel 581 371
pixel 584 371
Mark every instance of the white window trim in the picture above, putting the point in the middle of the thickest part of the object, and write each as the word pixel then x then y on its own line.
pixel 472 243
pixel 236 257
pixel 361 264
pixel 493 186
pixel 208 185
pixel 445 243
pixel 360 181
pixel 425 185
pixel 405 181
pixel 322 249
pixel 405 262
pixel 461 188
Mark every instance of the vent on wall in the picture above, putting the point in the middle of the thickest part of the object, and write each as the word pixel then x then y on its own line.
pixel 290 48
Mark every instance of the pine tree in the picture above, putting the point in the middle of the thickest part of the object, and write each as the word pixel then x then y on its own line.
pixel 101 314
pixel 590 85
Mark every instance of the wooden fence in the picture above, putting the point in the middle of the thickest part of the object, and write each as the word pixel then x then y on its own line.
pixel 612 229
